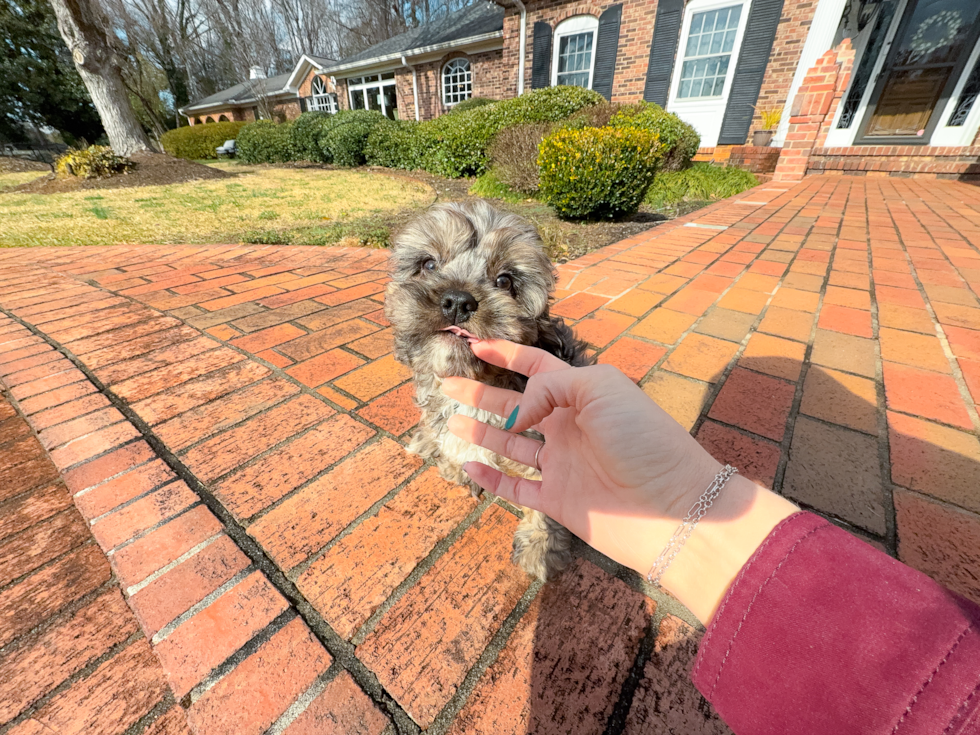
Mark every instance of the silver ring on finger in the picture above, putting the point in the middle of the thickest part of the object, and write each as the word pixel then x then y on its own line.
pixel 537 466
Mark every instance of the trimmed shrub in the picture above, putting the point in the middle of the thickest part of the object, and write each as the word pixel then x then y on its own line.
pixel 398 144
pixel 345 136
pixel 94 162
pixel 471 104
pixel 265 142
pixel 464 137
pixel 514 155
pixel 304 136
pixel 700 182
pixel 197 142
pixel 595 116
pixel 598 173
pixel 681 139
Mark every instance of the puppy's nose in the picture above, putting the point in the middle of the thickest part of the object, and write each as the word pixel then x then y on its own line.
pixel 458 306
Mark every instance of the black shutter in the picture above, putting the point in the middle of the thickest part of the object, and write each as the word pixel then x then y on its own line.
pixel 760 32
pixel 606 46
pixel 541 61
pixel 302 104
pixel 663 47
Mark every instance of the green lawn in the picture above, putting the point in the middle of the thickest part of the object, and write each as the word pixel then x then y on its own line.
pixel 299 206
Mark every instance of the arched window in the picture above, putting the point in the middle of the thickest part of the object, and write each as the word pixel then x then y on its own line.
pixel 208 119
pixel 457 81
pixel 574 51
pixel 196 121
pixel 320 98
pixel 223 118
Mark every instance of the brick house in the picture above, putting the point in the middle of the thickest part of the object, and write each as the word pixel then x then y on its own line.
pixel 279 97
pixel 864 86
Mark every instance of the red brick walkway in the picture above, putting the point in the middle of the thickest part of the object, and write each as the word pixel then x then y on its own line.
pixel 231 423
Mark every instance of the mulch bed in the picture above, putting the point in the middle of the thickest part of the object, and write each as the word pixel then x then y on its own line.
pixel 152 169
pixel 11 165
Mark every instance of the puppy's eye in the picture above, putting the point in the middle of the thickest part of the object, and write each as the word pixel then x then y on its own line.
pixel 505 282
pixel 428 266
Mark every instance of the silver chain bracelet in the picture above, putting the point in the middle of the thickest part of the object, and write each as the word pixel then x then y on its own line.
pixel 683 532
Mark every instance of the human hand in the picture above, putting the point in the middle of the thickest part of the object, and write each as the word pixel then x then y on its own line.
pixel 617 470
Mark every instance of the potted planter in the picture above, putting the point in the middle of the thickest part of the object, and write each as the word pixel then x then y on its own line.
pixel 762 137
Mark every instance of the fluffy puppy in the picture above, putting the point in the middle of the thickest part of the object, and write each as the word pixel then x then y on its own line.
pixel 467 268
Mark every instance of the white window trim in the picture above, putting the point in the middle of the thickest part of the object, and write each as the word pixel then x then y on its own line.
pixel 706 113
pixel 442 78
pixel 322 101
pixel 365 86
pixel 572 27
pixel 941 136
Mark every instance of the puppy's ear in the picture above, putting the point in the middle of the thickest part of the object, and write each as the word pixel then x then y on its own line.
pixel 556 337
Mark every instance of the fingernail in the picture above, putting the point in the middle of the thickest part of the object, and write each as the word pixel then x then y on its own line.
pixel 512 419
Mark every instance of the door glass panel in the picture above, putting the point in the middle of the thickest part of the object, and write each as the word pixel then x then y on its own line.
pixel 391 101
pixel 936 32
pixel 907 101
pixel 929 45
pixel 374 98
pixel 357 99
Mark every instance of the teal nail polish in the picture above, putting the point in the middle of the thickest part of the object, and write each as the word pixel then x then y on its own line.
pixel 512 419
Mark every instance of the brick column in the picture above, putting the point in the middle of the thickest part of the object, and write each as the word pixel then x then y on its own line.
pixel 813 110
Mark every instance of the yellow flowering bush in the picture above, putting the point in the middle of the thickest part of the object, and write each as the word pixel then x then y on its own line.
pixel 94 162
pixel 598 173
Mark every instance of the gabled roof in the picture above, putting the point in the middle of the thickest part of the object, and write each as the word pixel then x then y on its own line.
pixel 243 93
pixel 480 20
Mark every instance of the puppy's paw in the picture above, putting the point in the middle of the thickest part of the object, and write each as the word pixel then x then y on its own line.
pixel 475 490
pixel 542 547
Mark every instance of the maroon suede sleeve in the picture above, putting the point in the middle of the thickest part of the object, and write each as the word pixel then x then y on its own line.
pixel 821 633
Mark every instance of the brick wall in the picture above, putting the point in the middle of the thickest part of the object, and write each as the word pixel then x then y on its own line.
pixel 814 106
pixel 491 78
pixel 794 25
pixel 921 161
pixel 234 114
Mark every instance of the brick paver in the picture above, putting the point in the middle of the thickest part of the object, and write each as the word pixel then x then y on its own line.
pixel 230 423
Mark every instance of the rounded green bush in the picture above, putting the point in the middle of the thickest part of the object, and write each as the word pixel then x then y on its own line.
pixel 265 142
pixel 398 144
pixel 463 138
pixel 598 173
pixel 345 136
pixel 471 104
pixel 305 136
pixel 197 142
pixel 681 140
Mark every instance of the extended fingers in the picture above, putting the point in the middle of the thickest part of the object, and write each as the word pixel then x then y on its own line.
pixel 513 446
pixel 473 393
pixel 519 358
pixel 515 489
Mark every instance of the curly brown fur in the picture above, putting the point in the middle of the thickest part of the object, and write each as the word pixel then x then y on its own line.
pixel 463 249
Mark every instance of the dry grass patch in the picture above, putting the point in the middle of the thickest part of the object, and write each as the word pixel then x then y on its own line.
pixel 269 205
pixel 10 179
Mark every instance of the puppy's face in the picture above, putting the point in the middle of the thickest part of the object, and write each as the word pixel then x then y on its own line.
pixel 465 270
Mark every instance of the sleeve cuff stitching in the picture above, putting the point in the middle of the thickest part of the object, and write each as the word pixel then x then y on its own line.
pixel 758 592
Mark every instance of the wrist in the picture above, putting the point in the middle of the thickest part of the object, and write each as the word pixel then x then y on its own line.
pixel 722 543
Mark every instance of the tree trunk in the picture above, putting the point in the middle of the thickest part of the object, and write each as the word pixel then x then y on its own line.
pixel 93 57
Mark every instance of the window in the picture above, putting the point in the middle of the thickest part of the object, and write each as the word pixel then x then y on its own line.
pixel 710 41
pixel 574 46
pixel 457 81
pixel 320 99
pixel 374 92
